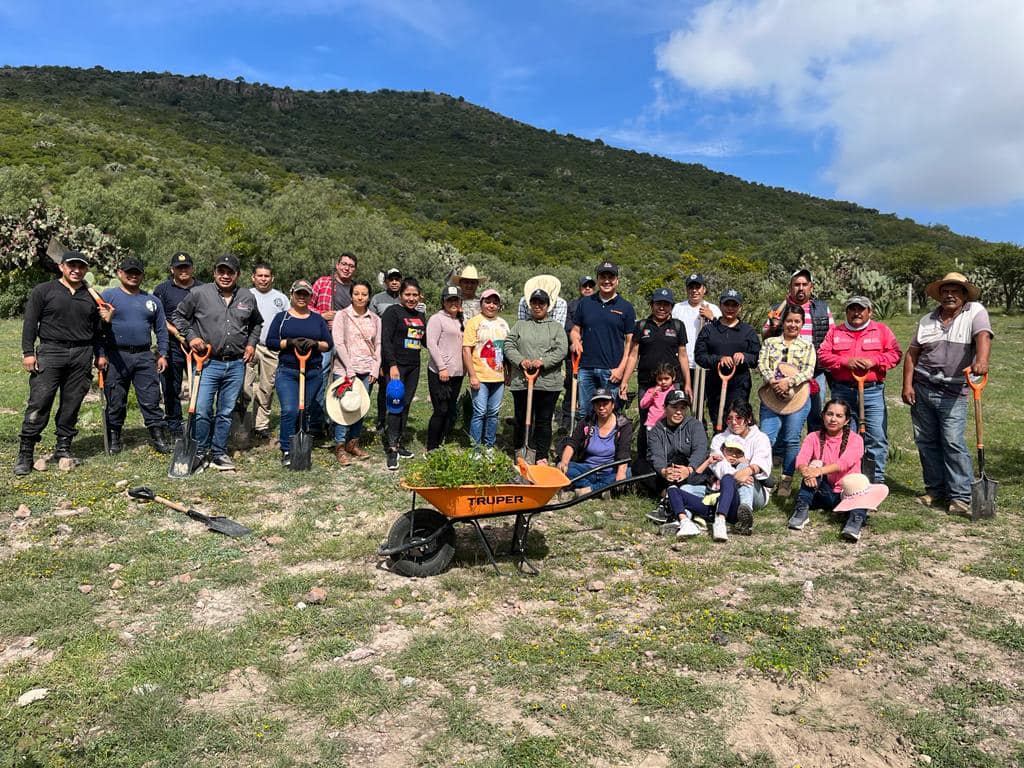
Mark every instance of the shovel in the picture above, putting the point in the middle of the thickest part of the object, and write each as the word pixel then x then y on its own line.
pixel 983 490
pixel 724 376
pixel 214 523
pixel 575 384
pixel 699 376
pixel 528 454
pixel 302 442
pixel 183 459
pixel 103 411
pixel 867 463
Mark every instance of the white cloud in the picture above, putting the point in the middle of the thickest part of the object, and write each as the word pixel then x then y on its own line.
pixel 924 98
pixel 667 143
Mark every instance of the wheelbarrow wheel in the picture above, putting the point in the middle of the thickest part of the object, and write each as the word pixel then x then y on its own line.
pixel 430 559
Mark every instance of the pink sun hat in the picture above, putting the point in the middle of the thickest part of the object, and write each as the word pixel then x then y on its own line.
pixel 860 493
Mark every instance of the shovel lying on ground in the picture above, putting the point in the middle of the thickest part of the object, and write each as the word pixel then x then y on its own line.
pixel 215 523
pixel 183 460
pixel 983 490
pixel 302 441
pixel 867 462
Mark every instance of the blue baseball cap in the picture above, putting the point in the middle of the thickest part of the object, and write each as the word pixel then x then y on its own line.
pixel 395 396
pixel 663 294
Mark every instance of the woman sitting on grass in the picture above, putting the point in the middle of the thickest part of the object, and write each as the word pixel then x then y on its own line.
pixel 825 459
pixel 600 438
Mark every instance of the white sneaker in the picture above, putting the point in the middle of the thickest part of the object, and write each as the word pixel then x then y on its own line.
pixel 718 532
pixel 687 529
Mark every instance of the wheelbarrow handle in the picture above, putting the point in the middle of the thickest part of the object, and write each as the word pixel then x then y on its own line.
pixel 976 386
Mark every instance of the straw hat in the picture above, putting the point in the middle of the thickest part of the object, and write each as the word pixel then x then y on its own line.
pixel 790 403
pixel 547 283
pixel 861 493
pixel 973 291
pixel 468 273
pixel 347 401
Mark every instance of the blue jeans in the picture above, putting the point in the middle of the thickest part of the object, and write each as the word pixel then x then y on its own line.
pixel 345 432
pixel 287 386
pixel 876 422
pixel 596 481
pixel 220 380
pixel 939 419
pixel 817 403
pixel 732 497
pixel 790 426
pixel 483 427
pixel 589 380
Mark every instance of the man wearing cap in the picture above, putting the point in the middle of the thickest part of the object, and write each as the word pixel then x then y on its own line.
pixel 676 446
pixel 866 348
pixel 223 319
pixel 817 321
pixel 261 370
pixel 731 343
pixel 137 317
pixel 695 313
pixel 171 293
pixel 587 285
pixel 64 318
pixel 378 305
pixel 603 327
pixel 955 336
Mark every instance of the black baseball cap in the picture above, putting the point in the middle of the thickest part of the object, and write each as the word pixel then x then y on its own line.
pixel 677 397
pixel 393 272
pixel 540 295
pixel 731 295
pixel 228 260
pixel 602 394
pixel 803 271
pixel 696 277
pixel 130 263
pixel 451 292
pixel 607 266
pixel 663 294
pixel 181 259
pixel 74 256
pixel 587 279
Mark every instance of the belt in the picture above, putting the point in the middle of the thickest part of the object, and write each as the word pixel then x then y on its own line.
pixel 64 343
pixel 867 384
pixel 134 349
pixel 227 357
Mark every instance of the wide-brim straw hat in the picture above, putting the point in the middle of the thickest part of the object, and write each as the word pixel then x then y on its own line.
pixel 789 404
pixel 347 401
pixel 973 291
pixel 550 284
pixel 860 493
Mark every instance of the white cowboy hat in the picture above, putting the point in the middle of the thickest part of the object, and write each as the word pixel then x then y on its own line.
pixel 547 283
pixel 973 291
pixel 347 401
pixel 792 402
pixel 860 493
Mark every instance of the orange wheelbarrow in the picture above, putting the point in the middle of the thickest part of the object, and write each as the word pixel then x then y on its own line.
pixel 422 541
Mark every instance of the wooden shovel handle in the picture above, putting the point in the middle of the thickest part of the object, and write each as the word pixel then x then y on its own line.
pixel 860 377
pixel 576 362
pixel 977 388
pixel 302 358
pixel 99 373
pixel 731 370
pixel 172 504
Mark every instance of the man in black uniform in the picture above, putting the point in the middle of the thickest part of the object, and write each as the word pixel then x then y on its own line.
pixel 171 293
pixel 129 343
pixel 65 319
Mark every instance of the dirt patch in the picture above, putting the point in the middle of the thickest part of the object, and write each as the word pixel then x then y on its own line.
pixel 222 608
pixel 22 649
pixel 393 739
pixel 243 687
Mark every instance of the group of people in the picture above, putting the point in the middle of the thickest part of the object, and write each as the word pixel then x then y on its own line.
pixel 693 361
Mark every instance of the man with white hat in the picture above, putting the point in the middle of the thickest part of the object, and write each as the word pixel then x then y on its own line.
pixel 955 336
pixel 469 280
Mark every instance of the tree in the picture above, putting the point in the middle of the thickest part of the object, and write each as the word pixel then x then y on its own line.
pixel 1003 263
pixel 917 264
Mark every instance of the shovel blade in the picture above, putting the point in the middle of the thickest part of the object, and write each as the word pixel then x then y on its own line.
pixel 219 524
pixel 183 458
pixel 302 452
pixel 983 498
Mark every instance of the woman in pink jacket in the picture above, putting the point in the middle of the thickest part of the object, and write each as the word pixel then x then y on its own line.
pixel 356 332
pixel 445 371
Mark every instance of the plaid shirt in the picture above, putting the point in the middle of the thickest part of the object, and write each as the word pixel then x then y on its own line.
pixel 800 354
pixel 323 291
pixel 558 313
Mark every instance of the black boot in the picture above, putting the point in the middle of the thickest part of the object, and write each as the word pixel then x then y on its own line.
pixel 23 465
pixel 115 441
pixel 63 448
pixel 159 440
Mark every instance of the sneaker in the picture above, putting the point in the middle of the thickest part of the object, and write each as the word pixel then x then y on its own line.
pixel 851 531
pixel 701 523
pixel 404 452
pixel 958 507
pixel 801 514
pixel 669 528
pixel 687 529
pixel 785 487
pixel 661 513
pixel 392 460
pixel 744 520
pixel 718 532
pixel 223 463
pixel 927 500
pixel 286 459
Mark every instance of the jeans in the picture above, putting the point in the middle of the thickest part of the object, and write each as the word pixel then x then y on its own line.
pixel 316 405
pixel 220 380
pixel 345 432
pixel 171 381
pixel 817 401
pixel 823 497
pixel 589 380
pixel 287 385
pixel 790 426
pixel 486 402
pixel 595 482
pixel 732 497
pixel 939 419
pixel 876 422
pixel 68 370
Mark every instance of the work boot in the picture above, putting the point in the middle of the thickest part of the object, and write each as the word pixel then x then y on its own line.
pixel 159 440
pixel 63 448
pixel 23 465
pixel 115 441
pixel 352 448
pixel 339 452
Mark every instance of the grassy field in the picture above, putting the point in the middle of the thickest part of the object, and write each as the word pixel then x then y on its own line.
pixel 161 644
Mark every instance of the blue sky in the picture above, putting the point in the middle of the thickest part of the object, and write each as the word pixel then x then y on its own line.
pixel 908 106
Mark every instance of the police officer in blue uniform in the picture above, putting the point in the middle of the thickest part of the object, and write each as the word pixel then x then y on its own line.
pixel 171 293
pixel 137 316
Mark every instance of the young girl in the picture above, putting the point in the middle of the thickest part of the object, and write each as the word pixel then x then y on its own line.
pixel 825 458
pixel 654 398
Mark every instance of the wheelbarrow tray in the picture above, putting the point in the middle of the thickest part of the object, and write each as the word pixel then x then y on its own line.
pixel 471 501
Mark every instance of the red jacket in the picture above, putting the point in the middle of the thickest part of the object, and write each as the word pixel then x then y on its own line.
pixel 875 342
